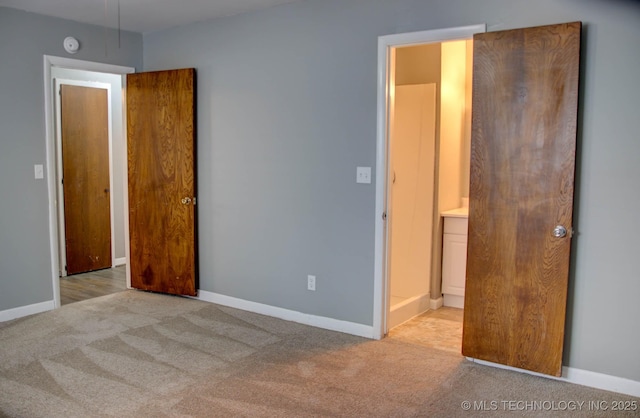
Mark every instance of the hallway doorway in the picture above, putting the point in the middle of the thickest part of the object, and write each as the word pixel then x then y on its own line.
pixel 78 71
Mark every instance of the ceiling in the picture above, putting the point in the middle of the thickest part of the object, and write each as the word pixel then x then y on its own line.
pixel 140 15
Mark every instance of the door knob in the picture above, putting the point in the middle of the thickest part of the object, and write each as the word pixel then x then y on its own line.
pixel 560 231
pixel 186 200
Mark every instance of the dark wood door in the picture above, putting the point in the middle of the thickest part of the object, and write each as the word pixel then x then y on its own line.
pixel 85 165
pixel 162 183
pixel 525 99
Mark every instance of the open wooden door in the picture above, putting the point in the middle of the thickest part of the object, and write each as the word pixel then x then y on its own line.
pixel 525 100
pixel 84 131
pixel 162 181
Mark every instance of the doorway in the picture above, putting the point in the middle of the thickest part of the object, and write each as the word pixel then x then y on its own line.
pixel 84 143
pixel 429 150
pixel 387 52
pixel 70 69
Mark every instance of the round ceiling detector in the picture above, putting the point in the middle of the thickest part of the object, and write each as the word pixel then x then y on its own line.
pixel 71 44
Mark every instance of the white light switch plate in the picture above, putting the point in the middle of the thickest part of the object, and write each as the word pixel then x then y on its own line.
pixel 363 175
pixel 38 171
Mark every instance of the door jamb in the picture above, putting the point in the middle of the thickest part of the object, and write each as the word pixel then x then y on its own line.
pixel 59 82
pixel 385 46
pixel 50 61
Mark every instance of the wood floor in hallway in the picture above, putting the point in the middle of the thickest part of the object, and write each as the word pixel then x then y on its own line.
pixel 92 284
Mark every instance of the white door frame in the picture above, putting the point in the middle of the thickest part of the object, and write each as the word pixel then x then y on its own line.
pixel 386 45
pixel 50 138
pixel 59 82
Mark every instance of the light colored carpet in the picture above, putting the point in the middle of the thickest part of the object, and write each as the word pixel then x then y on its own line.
pixel 136 354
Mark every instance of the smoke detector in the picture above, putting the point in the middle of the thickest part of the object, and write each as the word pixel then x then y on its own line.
pixel 71 44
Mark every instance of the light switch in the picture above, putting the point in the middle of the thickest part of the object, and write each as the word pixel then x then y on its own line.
pixel 363 175
pixel 38 171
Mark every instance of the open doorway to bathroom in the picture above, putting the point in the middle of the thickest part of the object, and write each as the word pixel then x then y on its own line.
pixel 428 182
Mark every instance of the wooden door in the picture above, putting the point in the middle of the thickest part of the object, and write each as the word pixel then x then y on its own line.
pixel 85 166
pixel 162 183
pixel 525 99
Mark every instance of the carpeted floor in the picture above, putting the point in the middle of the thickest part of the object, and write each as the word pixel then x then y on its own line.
pixel 136 354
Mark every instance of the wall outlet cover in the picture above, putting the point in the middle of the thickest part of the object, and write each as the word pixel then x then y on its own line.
pixel 311 282
pixel 363 175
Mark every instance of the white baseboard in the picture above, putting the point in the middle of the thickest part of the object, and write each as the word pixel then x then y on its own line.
pixel 454 301
pixel 408 309
pixel 601 381
pixel 580 377
pixel 119 261
pixel 21 311
pixel 436 303
pixel 288 315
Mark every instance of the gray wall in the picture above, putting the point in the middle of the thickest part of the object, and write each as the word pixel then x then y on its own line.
pixel 287 110
pixel 25 259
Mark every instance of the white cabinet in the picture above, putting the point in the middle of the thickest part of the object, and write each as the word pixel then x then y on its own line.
pixel 454 259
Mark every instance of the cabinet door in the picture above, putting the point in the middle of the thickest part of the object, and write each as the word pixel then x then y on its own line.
pixel 454 264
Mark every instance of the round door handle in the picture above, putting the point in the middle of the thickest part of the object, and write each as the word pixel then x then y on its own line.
pixel 186 200
pixel 560 231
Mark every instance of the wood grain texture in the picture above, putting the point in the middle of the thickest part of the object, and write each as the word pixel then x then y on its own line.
pixel 85 162
pixel 161 161
pixel 525 98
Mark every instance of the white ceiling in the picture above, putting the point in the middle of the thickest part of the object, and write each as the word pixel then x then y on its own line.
pixel 140 15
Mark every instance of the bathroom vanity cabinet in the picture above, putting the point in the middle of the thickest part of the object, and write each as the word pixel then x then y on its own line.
pixel 454 256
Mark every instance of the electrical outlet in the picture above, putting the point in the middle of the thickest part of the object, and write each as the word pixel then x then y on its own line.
pixel 363 175
pixel 311 282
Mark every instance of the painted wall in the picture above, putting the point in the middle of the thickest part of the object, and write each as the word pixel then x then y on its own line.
pixel 418 64
pixel 25 258
pixel 287 110
pixel 119 152
pixel 452 125
pixel 466 136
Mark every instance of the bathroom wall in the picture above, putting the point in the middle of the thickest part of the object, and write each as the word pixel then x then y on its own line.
pixel 418 65
pixel 452 124
pixel 466 137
